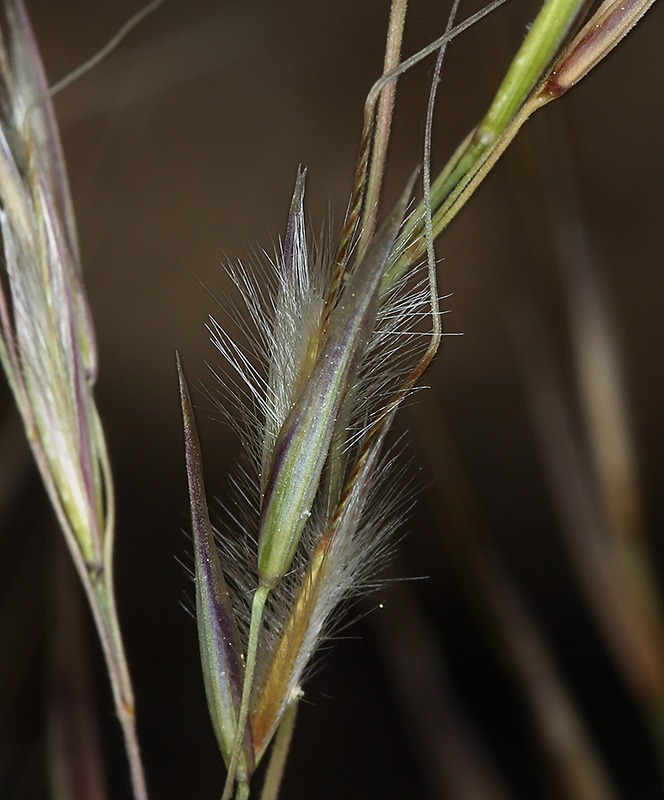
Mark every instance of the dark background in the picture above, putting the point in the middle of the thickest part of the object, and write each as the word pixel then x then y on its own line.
pixel 182 149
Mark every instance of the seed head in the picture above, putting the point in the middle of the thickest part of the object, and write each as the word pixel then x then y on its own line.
pixel 312 402
pixel 47 345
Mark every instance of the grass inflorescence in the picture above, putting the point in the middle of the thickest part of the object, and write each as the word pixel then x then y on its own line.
pixel 329 343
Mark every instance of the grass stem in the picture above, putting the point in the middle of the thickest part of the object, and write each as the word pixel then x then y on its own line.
pixel 242 791
pixel 256 618
pixel 280 749
pixel 105 614
pixel 528 66
pixel 383 124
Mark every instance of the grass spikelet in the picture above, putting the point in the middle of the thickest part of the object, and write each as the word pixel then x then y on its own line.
pixel 346 550
pixel 305 436
pixel 47 343
pixel 320 401
pixel 295 337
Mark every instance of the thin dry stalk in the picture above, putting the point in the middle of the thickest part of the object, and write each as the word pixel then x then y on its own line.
pixel 280 750
pixel 604 404
pixel 629 631
pixel 383 124
pixel 508 624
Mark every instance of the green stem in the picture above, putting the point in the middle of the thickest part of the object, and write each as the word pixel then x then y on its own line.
pixel 242 791
pixel 256 618
pixel 104 611
pixel 529 65
pixel 101 598
pixel 99 592
pixel 102 601
pixel 280 749
pixel 538 50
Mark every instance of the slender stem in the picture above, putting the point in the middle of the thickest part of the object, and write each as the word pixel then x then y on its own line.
pixel 116 659
pixel 529 65
pixel 411 245
pixel 256 618
pixel 280 749
pixel 134 756
pixel 104 611
pixel 100 55
pixel 357 198
pixel 426 179
pixel 383 124
pixel 543 42
pixel 608 26
pixel 75 763
pixel 99 591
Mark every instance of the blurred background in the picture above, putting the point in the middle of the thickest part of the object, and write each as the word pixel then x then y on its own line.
pixel 524 660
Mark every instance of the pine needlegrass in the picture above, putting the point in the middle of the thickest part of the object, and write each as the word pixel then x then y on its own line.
pixel 335 346
pixel 314 541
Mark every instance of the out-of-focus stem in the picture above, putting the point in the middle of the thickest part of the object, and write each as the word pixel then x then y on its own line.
pixel 280 749
pixel 602 394
pixel 457 763
pixel 581 772
pixel 625 624
pixel 507 622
